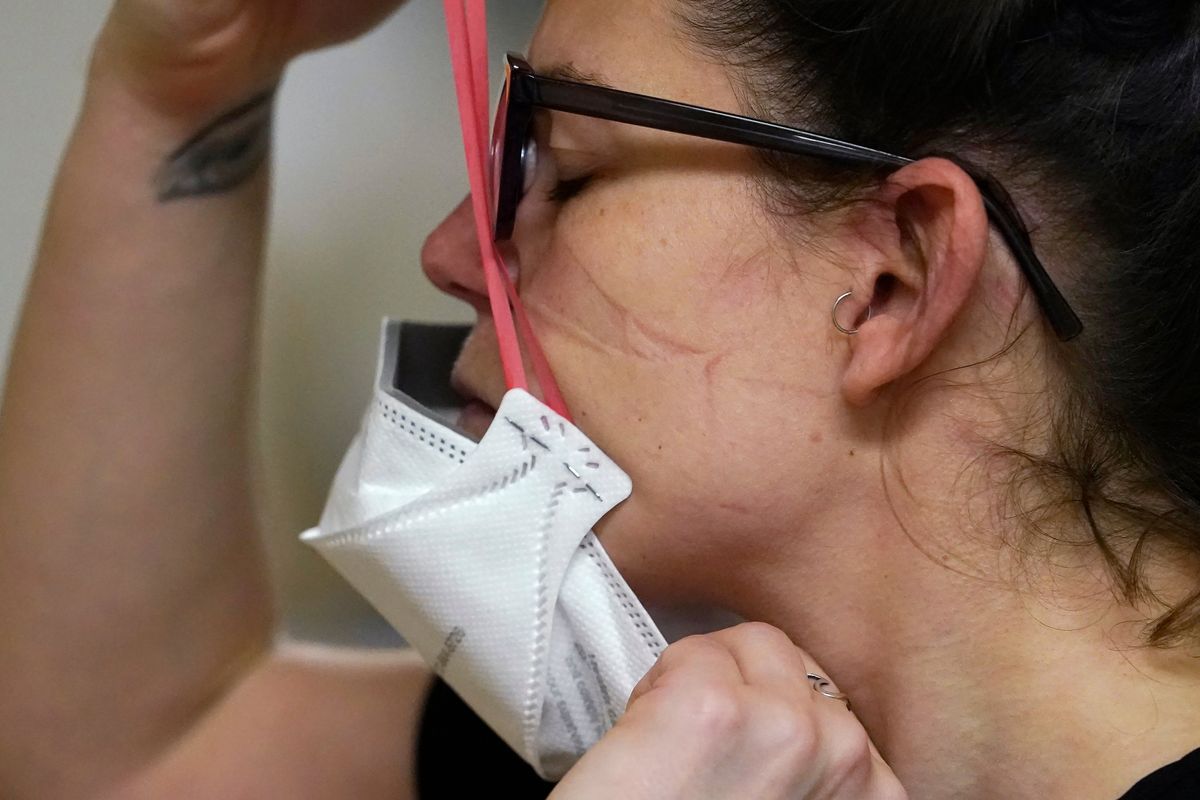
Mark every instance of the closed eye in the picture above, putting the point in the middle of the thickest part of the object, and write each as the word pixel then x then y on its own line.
pixel 564 190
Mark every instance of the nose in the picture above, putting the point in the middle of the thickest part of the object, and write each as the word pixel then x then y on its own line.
pixel 450 258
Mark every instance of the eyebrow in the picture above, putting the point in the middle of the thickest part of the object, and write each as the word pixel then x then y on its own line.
pixel 569 72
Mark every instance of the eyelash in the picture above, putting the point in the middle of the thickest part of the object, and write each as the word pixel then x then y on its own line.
pixel 564 190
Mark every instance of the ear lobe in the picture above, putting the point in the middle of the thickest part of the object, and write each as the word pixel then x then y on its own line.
pixel 931 234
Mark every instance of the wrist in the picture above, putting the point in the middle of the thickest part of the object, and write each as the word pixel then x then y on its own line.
pixel 177 145
pixel 173 88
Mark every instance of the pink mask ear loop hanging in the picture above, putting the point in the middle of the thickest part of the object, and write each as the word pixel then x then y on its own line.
pixel 476 13
pixel 467 26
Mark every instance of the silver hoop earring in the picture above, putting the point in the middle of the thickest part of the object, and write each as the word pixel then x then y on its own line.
pixel 837 304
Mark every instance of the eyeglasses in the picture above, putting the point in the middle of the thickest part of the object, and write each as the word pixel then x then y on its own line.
pixel 513 152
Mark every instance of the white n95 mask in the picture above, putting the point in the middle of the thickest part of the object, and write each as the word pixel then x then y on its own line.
pixel 481 555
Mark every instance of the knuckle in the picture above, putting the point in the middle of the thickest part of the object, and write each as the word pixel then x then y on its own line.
pixel 716 709
pixel 688 643
pixel 793 734
pixel 890 788
pixel 642 687
pixel 850 750
pixel 681 652
pixel 762 632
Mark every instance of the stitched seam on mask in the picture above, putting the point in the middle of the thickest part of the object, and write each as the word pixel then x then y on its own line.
pixel 532 715
pixel 527 437
pixel 649 637
pixel 419 432
pixel 416 513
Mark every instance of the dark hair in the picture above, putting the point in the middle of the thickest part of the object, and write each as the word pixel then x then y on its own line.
pixel 1091 109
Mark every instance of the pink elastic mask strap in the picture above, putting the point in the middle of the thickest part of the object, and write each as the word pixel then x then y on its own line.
pixel 541 366
pixel 460 56
pixel 467 26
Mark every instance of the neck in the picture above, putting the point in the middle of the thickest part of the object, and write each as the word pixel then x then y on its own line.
pixel 974 688
pixel 1030 712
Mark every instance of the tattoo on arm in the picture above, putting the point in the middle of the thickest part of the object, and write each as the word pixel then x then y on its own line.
pixel 223 155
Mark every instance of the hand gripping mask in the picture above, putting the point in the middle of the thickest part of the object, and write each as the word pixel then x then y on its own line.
pixel 481 554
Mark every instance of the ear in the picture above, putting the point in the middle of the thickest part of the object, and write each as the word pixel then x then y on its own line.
pixel 927 231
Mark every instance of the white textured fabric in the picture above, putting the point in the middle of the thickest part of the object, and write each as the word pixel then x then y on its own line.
pixel 482 557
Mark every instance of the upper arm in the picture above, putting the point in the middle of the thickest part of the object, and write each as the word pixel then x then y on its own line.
pixel 309 723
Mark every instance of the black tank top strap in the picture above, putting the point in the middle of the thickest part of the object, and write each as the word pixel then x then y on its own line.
pixel 1177 781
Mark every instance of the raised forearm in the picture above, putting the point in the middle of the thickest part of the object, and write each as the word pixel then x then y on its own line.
pixel 131 584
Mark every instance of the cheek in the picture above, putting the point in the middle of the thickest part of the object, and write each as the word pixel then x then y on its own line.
pixel 638 271
pixel 677 332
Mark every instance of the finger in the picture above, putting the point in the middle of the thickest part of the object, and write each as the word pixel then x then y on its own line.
pixel 768 659
pixel 694 659
pixel 845 762
pixel 884 784
pixel 761 641
pixel 814 668
pixel 874 779
pixel 843 710
pixel 839 707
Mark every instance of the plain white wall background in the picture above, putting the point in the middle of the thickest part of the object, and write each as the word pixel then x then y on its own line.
pixel 368 159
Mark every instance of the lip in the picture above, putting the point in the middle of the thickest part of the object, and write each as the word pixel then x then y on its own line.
pixel 476 418
pixel 465 388
pixel 477 415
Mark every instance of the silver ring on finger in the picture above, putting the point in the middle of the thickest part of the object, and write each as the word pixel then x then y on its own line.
pixel 824 687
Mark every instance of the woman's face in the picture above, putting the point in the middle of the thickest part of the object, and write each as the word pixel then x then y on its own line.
pixel 691 339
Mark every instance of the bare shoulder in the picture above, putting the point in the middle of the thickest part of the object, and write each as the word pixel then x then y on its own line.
pixel 309 723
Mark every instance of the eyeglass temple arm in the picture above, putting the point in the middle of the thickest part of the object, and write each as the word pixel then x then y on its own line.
pixel 667 115
pixel 1058 311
